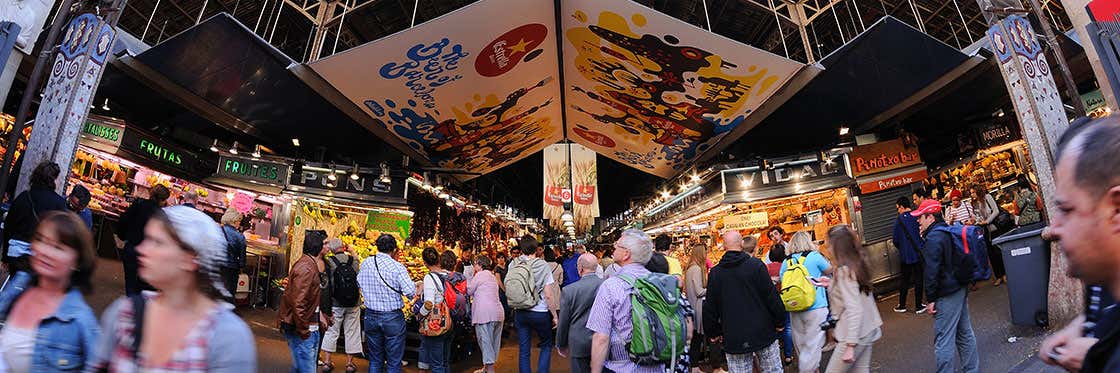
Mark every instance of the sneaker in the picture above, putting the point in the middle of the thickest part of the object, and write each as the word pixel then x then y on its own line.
pixel 900 309
pixel 921 310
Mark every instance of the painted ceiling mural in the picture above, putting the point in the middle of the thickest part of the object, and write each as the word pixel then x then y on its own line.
pixel 653 92
pixel 466 94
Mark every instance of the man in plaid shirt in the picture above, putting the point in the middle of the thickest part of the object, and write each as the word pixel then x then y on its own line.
pixel 384 283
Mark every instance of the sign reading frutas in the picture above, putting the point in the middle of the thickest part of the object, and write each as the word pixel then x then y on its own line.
pixel 753 220
pixel 251 169
pixel 150 148
pixel 883 156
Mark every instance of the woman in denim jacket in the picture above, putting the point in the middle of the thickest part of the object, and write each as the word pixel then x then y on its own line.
pixel 47 326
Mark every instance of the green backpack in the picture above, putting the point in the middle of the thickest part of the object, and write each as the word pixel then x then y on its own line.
pixel 657 315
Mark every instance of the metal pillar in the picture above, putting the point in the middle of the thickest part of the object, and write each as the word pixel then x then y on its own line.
pixel 326 9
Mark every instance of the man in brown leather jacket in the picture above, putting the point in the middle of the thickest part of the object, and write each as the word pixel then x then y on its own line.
pixel 299 308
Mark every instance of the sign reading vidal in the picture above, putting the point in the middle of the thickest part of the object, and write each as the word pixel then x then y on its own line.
pixel 653 92
pixel 466 94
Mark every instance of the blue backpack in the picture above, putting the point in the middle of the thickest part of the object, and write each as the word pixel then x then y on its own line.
pixel 969 257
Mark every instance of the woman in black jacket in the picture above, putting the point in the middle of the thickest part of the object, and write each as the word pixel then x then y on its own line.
pixel 23 217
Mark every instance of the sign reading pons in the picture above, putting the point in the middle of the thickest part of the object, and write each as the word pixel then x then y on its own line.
pixel 102 135
pixel 893 182
pixel 883 156
pixel 252 170
pixel 753 220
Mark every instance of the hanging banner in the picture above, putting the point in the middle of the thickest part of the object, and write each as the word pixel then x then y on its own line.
pixel 556 180
pixel 585 194
pixel 466 94
pixel 654 92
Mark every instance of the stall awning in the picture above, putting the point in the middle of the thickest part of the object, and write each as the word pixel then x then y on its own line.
pixel 227 75
pixel 872 73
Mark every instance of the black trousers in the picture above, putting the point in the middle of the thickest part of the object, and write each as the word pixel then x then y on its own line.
pixel 911 277
pixel 995 256
pixel 133 284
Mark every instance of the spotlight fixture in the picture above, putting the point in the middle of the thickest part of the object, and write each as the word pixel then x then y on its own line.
pixel 695 177
pixel 844 130
pixel 444 195
pixel 665 194
pixel 999 113
pixel 354 172
pixel 331 176
pixel 295 141
pixel 105 106
pixel 385 179
pixel 214 146
pixel 449 203
pixel 257 151
pixel 233 148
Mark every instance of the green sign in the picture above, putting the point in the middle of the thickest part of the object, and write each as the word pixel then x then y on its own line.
pixel 252 169
pixel 102 135
pixel 1093 100
pixel 151 148
pixel 105 132
pixel 161 153
pixel 389 222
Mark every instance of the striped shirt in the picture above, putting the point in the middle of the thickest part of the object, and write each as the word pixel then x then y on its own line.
pixel 610 315
pixel 960 215
pixel 384 282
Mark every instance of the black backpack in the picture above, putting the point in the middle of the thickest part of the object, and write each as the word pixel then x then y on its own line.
pixel 344 280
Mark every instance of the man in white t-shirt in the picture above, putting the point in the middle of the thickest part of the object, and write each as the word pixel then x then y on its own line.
pixel 541 318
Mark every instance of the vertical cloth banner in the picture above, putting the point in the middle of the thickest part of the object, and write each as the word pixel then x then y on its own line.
pixel 585 188
pixel 74 77
pixel 556 181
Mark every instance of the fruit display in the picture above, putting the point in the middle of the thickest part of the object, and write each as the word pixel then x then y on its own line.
pixel 7 124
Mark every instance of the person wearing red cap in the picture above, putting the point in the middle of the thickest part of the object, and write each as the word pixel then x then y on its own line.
pixel 947 298
pixel 959 212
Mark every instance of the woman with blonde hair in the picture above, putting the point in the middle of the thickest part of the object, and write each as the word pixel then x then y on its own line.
pixel 852 303
pixel 807 333
pixel 695 287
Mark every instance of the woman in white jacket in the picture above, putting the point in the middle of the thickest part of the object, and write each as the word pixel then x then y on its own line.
pixel 852 302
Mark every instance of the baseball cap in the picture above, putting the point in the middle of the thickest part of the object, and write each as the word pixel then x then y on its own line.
pixel 928 206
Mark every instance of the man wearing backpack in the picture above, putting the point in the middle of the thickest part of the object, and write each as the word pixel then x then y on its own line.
pixel 342 274
pixel 742 309
pixel 530 287
pixel 610 316
pixel 947 296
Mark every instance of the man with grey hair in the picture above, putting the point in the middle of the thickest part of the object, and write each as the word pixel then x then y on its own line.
pixel 742 309
pixel 609 317
pixel 342 286
pixel 1088 225
pixel 189 198
pixel 572 333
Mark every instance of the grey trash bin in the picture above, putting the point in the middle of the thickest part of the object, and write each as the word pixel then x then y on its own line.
pixel 1027 259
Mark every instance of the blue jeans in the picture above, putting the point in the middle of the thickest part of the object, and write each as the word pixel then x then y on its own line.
pixel 951 324
pixel 304 351
pixel 384 335
pixel 435 353
pixel 787 338
pixel 527 322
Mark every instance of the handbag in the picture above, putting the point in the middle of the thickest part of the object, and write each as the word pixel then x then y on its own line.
pixel 438 320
